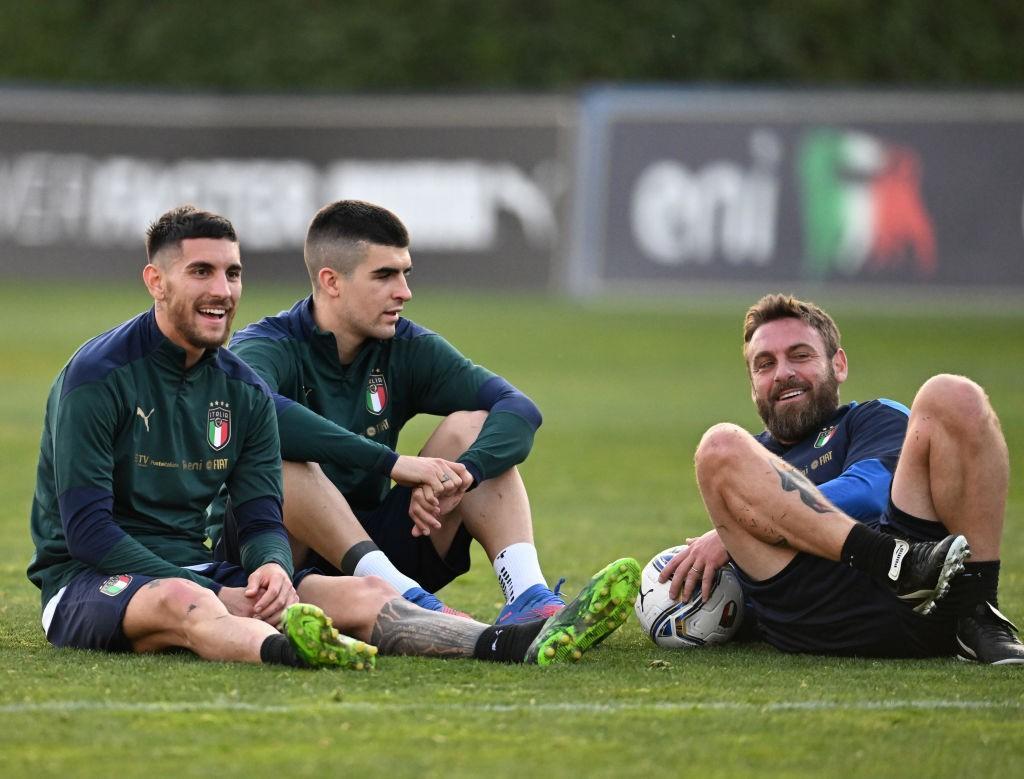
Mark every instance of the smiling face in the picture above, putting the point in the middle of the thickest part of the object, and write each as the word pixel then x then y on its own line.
pixel 793 381
pixel 365 303
pixel 196 286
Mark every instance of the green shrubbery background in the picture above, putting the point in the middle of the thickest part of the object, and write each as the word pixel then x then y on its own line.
pixel 330 45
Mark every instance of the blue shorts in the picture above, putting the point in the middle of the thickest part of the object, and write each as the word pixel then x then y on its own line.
pixel 89 611
pixel 390 528
pixel 823 607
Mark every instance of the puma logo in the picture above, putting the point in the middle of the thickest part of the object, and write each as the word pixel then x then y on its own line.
pixel 144 417
pixel 494 646
pixel 643 595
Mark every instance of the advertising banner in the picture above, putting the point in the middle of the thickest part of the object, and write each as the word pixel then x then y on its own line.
pixel 890 189
pixel 477 180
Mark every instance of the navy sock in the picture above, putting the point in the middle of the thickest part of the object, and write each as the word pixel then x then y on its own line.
pixel 978 583
pixel 352 557
pixel 506 643
pixel 278 650
pixel 869 551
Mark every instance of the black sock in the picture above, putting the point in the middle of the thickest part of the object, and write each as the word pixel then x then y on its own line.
pixel 278 650
pixel 506 643
pixel 870 551
pixel 978 583
pixel 354 555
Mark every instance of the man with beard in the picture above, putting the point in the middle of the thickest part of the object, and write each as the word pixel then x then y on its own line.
pixel 144 426
pixel 848 524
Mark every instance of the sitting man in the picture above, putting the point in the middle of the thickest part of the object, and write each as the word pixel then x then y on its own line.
pixel 144 426
pixel 348 373
pixel 849 523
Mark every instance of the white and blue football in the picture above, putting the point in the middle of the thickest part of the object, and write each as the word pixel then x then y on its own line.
pixel 674 625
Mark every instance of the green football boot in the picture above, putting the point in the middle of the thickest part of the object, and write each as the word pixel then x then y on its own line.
pixel 601 607
pixel 319 645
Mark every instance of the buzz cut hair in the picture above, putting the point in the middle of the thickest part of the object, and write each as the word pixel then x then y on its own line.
pixel 778 306
pixel 341 232
pixel 184 222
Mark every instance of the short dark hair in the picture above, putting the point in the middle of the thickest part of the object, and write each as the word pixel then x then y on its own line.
pixel 186 222
pixel 339 232
pixel 778 306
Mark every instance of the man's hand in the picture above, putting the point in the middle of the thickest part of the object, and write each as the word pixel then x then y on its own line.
pixel 270 591
pixel 428 502
pixel 699 562
pixel 444 477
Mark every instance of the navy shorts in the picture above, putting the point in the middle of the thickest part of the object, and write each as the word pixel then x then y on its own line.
pixel 390 528
pixel 89 611
pixel 819 606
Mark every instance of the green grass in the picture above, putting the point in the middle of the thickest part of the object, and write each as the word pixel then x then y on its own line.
pixel 627 388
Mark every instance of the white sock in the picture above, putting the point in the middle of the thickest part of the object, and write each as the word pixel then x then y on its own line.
pixel 376 563
pixel 518 569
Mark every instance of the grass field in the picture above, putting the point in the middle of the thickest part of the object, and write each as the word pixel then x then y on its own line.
pixel 627 388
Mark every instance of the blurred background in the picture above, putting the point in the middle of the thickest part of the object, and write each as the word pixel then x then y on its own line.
pixel 573 148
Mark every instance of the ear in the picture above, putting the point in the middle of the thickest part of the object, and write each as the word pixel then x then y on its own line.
pixel 330 281
pixel 153 277
pixel 839 365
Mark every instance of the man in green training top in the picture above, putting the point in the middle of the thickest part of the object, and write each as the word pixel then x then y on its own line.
pixel 349 371
pixel 144 426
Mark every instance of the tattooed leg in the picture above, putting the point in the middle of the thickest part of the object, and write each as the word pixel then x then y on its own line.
pixel 405 629
pixel 794 481
pixel 764 511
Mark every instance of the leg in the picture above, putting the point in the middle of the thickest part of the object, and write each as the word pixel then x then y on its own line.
pixel 497 513
pixel 178 613
pixel 764 510
pixel 398 627
pixel 954 466
pixel 368 608
pixel 955 469
pixel 316 515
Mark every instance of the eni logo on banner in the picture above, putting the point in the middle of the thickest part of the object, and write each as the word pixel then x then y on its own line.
pixel 693 216
pixel 862 208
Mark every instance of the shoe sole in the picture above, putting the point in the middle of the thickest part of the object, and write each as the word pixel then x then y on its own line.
pixel 320 645
pixel 597 612
pixel 965 655
pixel 951 566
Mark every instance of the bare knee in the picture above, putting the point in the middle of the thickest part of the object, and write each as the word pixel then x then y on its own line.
pixel 455 434
pixel 373 589
pixel 957 401
pixel 162 613
pixel 178 598
pixel 720 446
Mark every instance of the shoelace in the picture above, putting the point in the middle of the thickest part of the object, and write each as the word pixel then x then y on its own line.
pixel 558 588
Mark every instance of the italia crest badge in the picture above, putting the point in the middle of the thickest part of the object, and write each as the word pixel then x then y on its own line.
pixel 218 425
pixel 115 584
pixel 376 393
pixel 824 437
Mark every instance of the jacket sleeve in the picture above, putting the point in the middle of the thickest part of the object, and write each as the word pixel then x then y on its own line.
pixel 447 381
pixel 256 491
pixel 876 438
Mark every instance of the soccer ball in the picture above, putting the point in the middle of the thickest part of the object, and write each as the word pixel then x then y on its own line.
pixel 674 625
